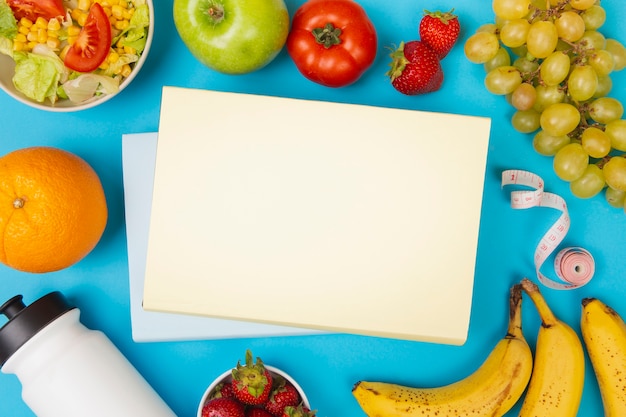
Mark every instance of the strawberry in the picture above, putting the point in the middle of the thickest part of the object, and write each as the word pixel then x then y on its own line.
pixel 224 390
pixel 440 31
pixel 415 69
pixel 283 395
pixel 298 411
pixel 257 412
pixel 223 407
pixel 252 383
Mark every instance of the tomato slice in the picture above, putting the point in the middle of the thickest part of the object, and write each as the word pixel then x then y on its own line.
pixel 93 43
pixel 32 9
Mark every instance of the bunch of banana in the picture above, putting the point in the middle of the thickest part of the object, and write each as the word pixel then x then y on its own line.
pixel 604 334
pixel 556 385
pixel 491 390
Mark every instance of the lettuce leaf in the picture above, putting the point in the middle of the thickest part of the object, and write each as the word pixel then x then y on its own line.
pixel 38 73
pixel 8 24
pixel 136 34
pixel 87 86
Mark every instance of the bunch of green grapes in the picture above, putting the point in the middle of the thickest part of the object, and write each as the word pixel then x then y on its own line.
pixel 553 64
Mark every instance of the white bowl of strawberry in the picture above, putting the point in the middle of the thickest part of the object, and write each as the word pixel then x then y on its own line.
pixel 254 389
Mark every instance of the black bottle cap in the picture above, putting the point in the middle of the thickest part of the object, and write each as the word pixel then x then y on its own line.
pixel 26 321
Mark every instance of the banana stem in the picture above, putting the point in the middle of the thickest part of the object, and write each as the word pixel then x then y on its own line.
pixel 548 318
pixel 515 312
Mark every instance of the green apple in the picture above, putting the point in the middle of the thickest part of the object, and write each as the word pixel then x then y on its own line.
pixel 232 36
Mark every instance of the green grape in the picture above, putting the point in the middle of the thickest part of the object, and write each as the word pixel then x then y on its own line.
pixel 524 97
pixel 510 9
pixel 619 53
pixel 581 4
pixel 570 162
pixel 570 26
pixel 481 47
pixel 615 198
pixel 489 28
pixel 503 80
pixel 548 145
pixel 594 17
pixel 555 68
pixel 514 32
pixel 592 39
pixel 616 131
pixel 560 119
pixel 605 109
pixel 595 142
pixel 540 4
pixel 589 184
pixel 602 62
pixel 542 38
pixel 520 51
pixel 582 83
pixel 605 85
pixel 615 173
pixel 548 95
pixel 525 65
pixel 501 59
pixel 525 121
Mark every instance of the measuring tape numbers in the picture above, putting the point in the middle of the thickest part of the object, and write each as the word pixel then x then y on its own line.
pixel 574 266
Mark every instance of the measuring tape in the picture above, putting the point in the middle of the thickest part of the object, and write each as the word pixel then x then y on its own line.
pixel 574 265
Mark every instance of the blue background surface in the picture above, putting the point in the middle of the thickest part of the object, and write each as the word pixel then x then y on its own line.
pixel 326 366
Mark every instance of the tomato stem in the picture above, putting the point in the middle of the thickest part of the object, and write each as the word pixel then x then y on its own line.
pixel 328 36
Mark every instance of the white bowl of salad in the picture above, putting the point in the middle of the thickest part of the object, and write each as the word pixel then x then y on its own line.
pixel 69 55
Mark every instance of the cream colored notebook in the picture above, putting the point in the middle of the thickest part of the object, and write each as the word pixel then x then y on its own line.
pixel 338 217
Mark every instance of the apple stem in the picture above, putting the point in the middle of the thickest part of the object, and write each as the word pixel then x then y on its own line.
pixel 328 36
pixel 215 12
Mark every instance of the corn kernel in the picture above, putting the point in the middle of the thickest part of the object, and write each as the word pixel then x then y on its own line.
pixel 113 57
pixel 129 50
pixel 54 24
pixel 53 43
pixel 123 3
pixel 84 5
pixel 24 30
pixel 107 11
pixel 73 31
pixel 31 45
pixel 42 36
pixel 19 46
pixel 126 70
pixel 117 11
pixel 63 52
pixel 127 14
pixel 121 24
pixel 71 40
pixel 25 22
pixel 104 65
pixel 53 34
pixel 41 22
pixel 20 37
pixel 31 37
pixel 79 16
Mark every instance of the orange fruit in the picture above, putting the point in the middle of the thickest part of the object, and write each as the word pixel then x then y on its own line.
pixel 52 209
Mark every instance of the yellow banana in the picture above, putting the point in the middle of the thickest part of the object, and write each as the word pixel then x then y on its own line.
pixel 604 334
pixel 490 391
pixel 556 385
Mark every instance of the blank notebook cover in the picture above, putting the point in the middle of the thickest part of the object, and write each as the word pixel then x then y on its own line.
pixel 312 214
pixel 138 159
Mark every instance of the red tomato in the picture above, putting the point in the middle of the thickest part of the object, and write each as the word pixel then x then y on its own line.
pixel 32 9
pixel 332 42
pixel 93 43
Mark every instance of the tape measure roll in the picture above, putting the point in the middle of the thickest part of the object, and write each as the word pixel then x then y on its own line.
pixel 574 266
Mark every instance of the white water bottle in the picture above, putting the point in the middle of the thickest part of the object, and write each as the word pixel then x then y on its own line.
pixel 68 370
